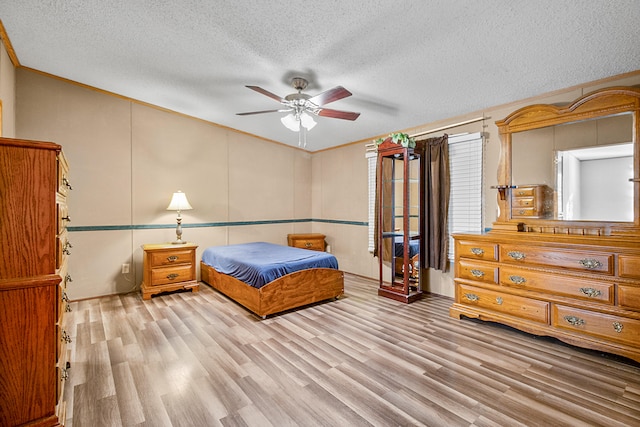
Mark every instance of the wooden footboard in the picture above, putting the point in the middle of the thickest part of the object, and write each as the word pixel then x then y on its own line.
pixel 290 291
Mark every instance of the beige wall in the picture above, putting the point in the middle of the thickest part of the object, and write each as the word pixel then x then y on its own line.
pixel 7 94
pixel 127 158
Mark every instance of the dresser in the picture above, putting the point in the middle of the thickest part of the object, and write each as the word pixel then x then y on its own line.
pixel 582 290
pixel 531 201
pixel 34 360
pixel 168 267
pixel 312 241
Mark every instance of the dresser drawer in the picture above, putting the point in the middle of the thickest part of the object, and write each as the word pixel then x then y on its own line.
pixel 523 192
pixel 586 261
pixel 513 305
pixel 477 250
pixel 523 202
pixel 478 271
pixel 63 175
pixel 159 259
pixel 179 273
pixel 629 266
pixel 556 284
pixel 629 297
pixel 524 211
pixel 607 326
pixel 312 241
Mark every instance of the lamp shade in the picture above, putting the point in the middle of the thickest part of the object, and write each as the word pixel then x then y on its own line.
pixel 179 202
pixel 291 122
pixel 307 121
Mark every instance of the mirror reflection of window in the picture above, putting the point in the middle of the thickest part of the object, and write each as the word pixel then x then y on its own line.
pixel 587 164
pixel 595 183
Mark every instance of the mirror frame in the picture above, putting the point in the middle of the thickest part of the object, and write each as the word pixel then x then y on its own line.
pixel 600 103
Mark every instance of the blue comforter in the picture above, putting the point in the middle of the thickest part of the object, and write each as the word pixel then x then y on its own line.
pixel 259 263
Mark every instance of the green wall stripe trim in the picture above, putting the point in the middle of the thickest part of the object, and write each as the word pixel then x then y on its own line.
pixel 209 224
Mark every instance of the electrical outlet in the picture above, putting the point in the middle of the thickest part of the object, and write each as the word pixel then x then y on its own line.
pixel 125 268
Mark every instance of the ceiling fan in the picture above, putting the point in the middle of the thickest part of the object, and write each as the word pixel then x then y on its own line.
pixel 301 106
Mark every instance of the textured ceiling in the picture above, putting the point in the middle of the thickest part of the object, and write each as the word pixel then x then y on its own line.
pixel 407 63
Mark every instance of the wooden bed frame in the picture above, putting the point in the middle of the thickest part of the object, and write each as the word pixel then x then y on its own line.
pixel 291 291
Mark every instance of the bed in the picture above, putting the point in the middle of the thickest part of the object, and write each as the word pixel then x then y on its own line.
pixel 267 278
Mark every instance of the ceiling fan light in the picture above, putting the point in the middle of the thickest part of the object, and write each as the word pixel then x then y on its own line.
pixel 307 121
pixel 290 122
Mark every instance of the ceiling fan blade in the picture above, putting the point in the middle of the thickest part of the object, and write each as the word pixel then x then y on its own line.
pixel 337 114
pixel 266 92
pixel 262 112
pixel 330 95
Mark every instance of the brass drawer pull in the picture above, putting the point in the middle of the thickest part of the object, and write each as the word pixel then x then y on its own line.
pixel 518 280
pixel 574 321
pixel 65 297
pixel 617 326
pixel 172 258
pixel 591 292
pixel 66 247
pixel 66 183
pixel 172 276
pixel 477 251
pixel 590 263
pixel 499 300
pixel 308 244
pixel 516 255
pixel 65 337
pixel 64 374
pixel 66 218
pixel 476 273
pixel 472 297
pixel 67 308
pixel 67 279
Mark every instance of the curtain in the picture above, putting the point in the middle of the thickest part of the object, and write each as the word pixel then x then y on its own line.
pixel 436 185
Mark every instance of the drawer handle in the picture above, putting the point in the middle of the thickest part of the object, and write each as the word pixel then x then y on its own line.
pixel 65 297
pixel 476 273
pixel 617 326
pixel 67 308
pixel 67 279
pixel 522 211
pixel 518 280
pixel 64 374
pixel 172 258
pixel 66 218
pixel 66 247
pixel 66 183
pixel 65 337
pixel 499 300
pixel 590 263
pixel 308 244
pixel 574 321
pixel 591 292
pixel 477 251
pixel 172 276
pixel 472 297
pixel 516 255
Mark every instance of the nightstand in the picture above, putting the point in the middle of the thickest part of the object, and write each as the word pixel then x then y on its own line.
pixel 168 267
pixel 313 241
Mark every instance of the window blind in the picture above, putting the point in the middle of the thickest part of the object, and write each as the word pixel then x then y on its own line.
pixel 372 164
pixel 465 197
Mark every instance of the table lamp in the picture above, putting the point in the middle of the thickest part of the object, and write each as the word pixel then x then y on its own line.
pixel 179 203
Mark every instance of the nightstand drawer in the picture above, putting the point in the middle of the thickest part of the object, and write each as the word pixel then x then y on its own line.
pixel 312 241
pixel 158 259
pixel 164 275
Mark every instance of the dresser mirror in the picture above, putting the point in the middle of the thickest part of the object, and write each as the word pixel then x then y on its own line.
pixel 571 168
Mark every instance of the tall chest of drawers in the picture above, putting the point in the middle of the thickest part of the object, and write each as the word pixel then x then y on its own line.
pixel 33 277
pixel 582 290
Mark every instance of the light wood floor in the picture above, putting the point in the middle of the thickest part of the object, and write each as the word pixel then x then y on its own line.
pixel 199 359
